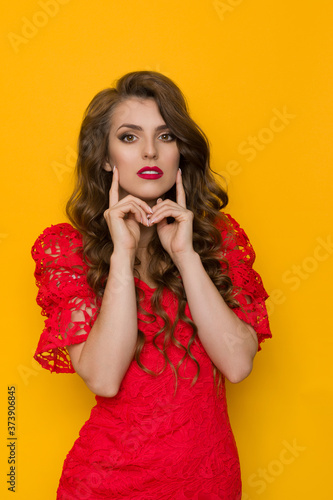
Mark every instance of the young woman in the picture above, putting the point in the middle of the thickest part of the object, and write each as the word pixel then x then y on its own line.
pixel 150 296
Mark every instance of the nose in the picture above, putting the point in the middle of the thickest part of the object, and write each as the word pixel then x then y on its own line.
pixel 149 149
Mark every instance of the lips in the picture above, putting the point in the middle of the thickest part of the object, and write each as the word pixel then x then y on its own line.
pixel 150 173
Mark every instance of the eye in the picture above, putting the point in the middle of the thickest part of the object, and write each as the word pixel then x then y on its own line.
pixel 167 137
pixel 127 138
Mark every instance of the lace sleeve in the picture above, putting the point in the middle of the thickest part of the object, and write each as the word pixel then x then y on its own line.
pixel 64 295
pixel 248 287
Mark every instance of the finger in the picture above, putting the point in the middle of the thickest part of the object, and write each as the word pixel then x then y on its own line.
pixel 139 202
pixel 170 211
pixel 139 215
pixel 144 207
pixel 160 225
pixel 135 211
pixel 134 215
pixel 114 190
pixel 161 204
pixel 125 212
pixel 134 208
pixel 180 191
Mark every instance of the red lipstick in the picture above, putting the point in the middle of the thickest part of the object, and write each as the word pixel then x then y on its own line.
pixel 150 173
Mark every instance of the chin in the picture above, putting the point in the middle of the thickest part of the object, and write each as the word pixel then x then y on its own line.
pixel 152 194
pixel 147 199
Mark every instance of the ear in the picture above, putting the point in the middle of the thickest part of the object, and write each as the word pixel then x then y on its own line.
pixel 107 167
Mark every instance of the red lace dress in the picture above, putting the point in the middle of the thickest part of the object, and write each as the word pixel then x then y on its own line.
pixel 145 443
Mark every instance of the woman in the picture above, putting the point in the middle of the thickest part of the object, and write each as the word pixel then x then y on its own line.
pixel 151 298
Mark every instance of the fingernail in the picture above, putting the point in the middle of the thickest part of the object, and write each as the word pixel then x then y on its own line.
pixel 180 170
pixel 151 210
pixel 159 200
pixel 114 166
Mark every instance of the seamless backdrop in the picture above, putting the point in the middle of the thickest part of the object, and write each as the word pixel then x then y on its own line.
pixel 258 78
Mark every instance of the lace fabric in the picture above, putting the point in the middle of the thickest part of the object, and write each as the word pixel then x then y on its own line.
pixel 146 442
pixel 67 301
pixel 249 289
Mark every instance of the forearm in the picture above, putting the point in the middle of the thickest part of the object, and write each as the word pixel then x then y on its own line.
pixel 110 346
pixel 229 342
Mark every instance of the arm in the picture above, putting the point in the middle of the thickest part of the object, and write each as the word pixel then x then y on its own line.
pixel 229 342
pixel 103 359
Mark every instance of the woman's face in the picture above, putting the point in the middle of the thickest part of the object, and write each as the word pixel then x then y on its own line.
pixel 143 150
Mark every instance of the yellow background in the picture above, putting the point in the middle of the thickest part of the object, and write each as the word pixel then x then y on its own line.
pixel 239 63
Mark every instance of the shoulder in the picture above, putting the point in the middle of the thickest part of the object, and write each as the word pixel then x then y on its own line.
pixel 227 224
pixel 61 234
pixel 230 228
pixel 58 242
pixel 235 241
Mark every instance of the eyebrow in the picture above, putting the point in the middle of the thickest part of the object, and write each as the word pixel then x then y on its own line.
pixel 137 127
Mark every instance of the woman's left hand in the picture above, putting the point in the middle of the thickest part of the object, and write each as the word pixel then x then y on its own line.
pixel 177 237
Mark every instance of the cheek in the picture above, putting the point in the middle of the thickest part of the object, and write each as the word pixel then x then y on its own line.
pixel 174 157
pixel 177 160
pixel 121 156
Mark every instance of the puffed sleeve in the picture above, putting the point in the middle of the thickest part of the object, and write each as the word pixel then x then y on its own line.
pixel 248 287
pixel 67 301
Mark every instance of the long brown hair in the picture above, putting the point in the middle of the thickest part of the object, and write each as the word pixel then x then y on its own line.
pixel 205 198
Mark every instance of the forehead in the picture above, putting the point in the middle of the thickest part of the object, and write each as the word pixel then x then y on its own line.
pixel 136 110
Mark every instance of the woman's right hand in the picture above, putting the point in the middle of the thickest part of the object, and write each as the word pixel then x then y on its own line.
pixel 123 218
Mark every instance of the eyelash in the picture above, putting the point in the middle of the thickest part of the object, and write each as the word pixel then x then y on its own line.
pixel 122 137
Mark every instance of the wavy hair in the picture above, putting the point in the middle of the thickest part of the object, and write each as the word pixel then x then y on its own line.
pixel 205 198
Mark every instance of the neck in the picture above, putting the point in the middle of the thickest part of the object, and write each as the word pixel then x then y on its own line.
pixel 146 234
